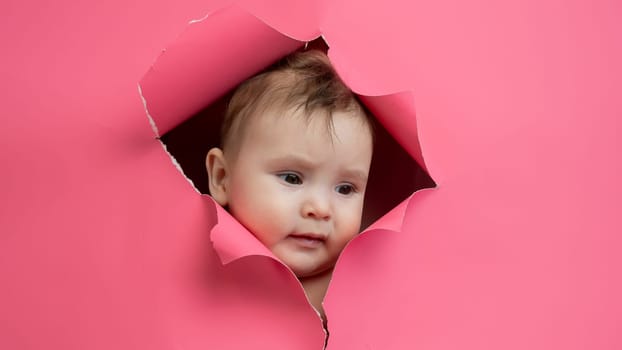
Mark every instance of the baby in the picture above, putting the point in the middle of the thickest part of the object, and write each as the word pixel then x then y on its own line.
pixel 293 167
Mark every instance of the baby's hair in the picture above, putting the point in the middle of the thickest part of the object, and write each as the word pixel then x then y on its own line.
pixel 304 80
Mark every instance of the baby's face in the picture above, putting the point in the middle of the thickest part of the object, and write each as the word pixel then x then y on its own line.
pixel 298 188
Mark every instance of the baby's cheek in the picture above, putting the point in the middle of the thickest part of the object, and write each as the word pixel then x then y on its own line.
pixel 350 224
pixel 248 208
pixel 275 217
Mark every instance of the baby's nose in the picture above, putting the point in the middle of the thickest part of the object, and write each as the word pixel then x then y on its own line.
pixel 316 207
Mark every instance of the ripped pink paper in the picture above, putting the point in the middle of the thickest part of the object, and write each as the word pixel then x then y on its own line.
pixel 206 62
pixel 210 58
pixel 105 245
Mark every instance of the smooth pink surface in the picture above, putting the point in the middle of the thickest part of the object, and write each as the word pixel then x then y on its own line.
pixel 103 243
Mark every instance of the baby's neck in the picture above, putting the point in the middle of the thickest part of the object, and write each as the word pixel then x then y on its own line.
pixel 315 287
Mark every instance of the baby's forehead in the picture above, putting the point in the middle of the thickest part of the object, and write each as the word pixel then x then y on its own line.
pixel 273 137
pixel 280 118
pixel 270 117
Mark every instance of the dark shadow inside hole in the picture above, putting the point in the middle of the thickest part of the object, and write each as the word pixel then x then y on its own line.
pixel 190 141
pixel 394 174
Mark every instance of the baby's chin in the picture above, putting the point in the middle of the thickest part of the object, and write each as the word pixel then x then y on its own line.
pixel 307 273
pixel 304 264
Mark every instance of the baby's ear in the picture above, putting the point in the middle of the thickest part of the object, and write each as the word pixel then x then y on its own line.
pixel 216 165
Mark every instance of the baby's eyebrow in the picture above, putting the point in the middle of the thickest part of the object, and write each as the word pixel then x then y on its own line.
pixel 355 174
pixel 300 161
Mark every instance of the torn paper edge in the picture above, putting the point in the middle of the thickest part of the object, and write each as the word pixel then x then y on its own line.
pixel 317 34
pixel 193 21
pixel 154 128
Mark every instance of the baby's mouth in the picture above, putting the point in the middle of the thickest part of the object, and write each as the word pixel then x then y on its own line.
pixel 308 240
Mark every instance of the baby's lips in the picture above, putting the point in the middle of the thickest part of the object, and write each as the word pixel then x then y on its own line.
pixel 310 235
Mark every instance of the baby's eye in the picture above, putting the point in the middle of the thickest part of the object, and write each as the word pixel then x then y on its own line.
pixel 290 178
pixel 345 189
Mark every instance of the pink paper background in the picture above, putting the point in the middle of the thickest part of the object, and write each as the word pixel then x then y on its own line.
pixel 103 243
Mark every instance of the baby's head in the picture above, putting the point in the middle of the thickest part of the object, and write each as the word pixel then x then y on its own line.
pixel 296 152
